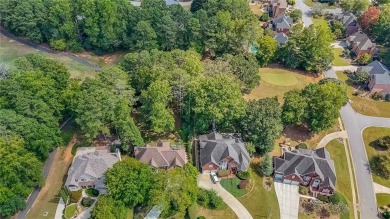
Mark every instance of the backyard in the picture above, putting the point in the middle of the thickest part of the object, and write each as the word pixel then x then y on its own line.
pixel 365 105
pixel 259 202
pixel 215 214
pixel 275 81
pixel 369 136
pixel 338 60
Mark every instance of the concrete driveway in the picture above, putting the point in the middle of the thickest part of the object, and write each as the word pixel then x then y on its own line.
pixel 306 11
pixel 204 181
pixel 288 198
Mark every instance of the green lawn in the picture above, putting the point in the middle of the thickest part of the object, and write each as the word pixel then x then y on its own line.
pixel 70 211
pixel 275 81
pixel 319 21
pixel 369 135
pixel 216 214
pixel 310 3
pixel 339 61
pixel 231 185
pixel 259 202
pixel 129 213
pixel 366 105
pixel 343 182
pixel 10 50
pixel 383 199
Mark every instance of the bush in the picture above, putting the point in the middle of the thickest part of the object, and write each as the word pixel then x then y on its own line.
pixel 244 175
pixel 75 196
pixel 87 202
pixel 378 96
pixel 387 97
pixel 223 173
pixel 304 190
pixel 210 199
pixel 302 146
pixel 92 192
pixel 58 44
pixel 323 198
pixel 291 2
pixel 383 142
pixel 264 17
pixel 192 211
pixel 201 217
pixel 380 165
pixel 335 198
pixel 386 215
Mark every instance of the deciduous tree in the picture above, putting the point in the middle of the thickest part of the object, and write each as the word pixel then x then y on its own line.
pixel 266 49
pixel 294 107
pixel 369 18
pixel 107 208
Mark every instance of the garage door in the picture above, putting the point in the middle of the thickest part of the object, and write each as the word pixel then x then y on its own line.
pixel 287 181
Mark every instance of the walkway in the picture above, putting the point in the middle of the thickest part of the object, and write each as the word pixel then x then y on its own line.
pixel 325 140
pixel 288 198
pixel 204 181
pixel 306 11
pixel 381 189
pixel 343 68
pixel 60 209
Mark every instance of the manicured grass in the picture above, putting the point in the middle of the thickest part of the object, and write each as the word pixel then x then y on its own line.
pixel 366 105
pixel 310 3
pixel 129 213
pixel 369 135
pixel 257 9
pixel 216 214
pixel 343 183
pixel 319 21
pixel 231 185
pixel 275 81
pixel 259 202
pixel 339 61
pixel 383 199
pixel 70 210
pixel 10 50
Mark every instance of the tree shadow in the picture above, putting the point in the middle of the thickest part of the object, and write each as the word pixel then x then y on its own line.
pixel 374 144
pixel 297 133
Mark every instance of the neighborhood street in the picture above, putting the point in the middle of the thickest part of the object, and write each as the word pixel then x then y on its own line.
pixel 306 10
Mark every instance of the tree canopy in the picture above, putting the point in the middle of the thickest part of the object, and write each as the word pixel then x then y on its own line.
pixel 107 208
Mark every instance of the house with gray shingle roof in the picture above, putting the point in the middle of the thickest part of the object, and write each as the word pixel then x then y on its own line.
pixel 312 168
pixel 361 44
pixel 282 24
pixel 379 80
pixel 89 166
pixel 277 7
pixel 350 22
pixel 162 156
pixel 281 38
pixel 222 152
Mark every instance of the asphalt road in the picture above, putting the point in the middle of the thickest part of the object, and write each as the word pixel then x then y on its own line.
pixel 354 124
pixel 306 10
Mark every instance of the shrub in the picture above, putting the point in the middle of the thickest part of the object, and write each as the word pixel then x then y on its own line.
pixel 201 217
pixel 58 44
pixel 87 202
pixel 223 173
pixel 244 175
pixel 304 190
pixel 264 17
pixel 265 167
pixel 378 96
pixel 323 198
pixel 210 199
pixel 384 142
pixel 387 97
pixel 203 198
pixel 335 198
pixel 380 165
pixel 338 208
pixel 386 215
pixel 75 196
pixel 92 192
pixel 302 146
pixel 192 211
pixel 291 2
pixel 364 59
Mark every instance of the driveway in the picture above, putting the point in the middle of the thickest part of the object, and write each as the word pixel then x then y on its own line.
pixel 204 182
pixel 325 140
pixel 306 11
pixel 381 189
pixel 288 198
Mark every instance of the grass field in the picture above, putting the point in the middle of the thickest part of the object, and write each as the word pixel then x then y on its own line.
pixel 339 61
pixel 216 214
pixel 369 135
pixel 343 183
pixel 383 199
pixel 319 21
pixel 10 50
pixel 231 185
pixel 275 81
pixel 366 105
pixel 259 202
pixel 70 211
pixel 310 3
pixel 256 9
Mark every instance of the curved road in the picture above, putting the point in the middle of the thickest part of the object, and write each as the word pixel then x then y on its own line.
pixel 354 124
pixel 306 11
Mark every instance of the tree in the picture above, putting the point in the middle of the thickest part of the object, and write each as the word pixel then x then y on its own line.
pixel 155 109
pixel 369 18
pixel 380 165
pixel 383 142
pixel 196 5
pixel 175 190
pixel 296 15
pixel 246 69
pixel 129 181
pixel 264 17
pixel 145 38
pixel 355 6
pixel 381 29
pixel 251 148
pixel 338 29
pixel 361 77
pixel 262 123
pixel 107 208
pixel 266 49
pixel 291 2
pixel 265 166
pixel 293 109
pixel 364 59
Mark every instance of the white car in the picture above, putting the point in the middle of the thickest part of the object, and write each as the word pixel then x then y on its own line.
pixel 214 177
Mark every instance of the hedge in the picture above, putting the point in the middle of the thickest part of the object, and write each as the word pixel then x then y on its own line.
pixel 75 196
pixel 244 175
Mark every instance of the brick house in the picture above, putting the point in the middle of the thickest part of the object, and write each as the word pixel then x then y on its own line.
pixel 277 7
pixel 379 80
pixel 282 24
pixel 361 44
pixel 312 168
pixel 222 152
pixel 350 22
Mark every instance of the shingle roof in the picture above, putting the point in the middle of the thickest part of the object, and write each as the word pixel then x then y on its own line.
pixel 304 161
pixel 215 147
pixel 347 18
pixel 282 3
pixel 282 22
pixel 380 72
pixel 361 40
pixel 281 38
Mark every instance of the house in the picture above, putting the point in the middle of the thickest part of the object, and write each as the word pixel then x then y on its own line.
pixel 281 38
pixel 89 166
pixel 282 24
pixel 162 156
pixel 312 168
pixel 379 80
pixel 361 44
pixel 277 7
pixel 222 152
pixel 350 22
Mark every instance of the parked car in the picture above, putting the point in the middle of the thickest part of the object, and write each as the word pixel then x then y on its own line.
pixel 214 177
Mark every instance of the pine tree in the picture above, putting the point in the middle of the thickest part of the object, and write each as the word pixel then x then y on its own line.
pixel 265 166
